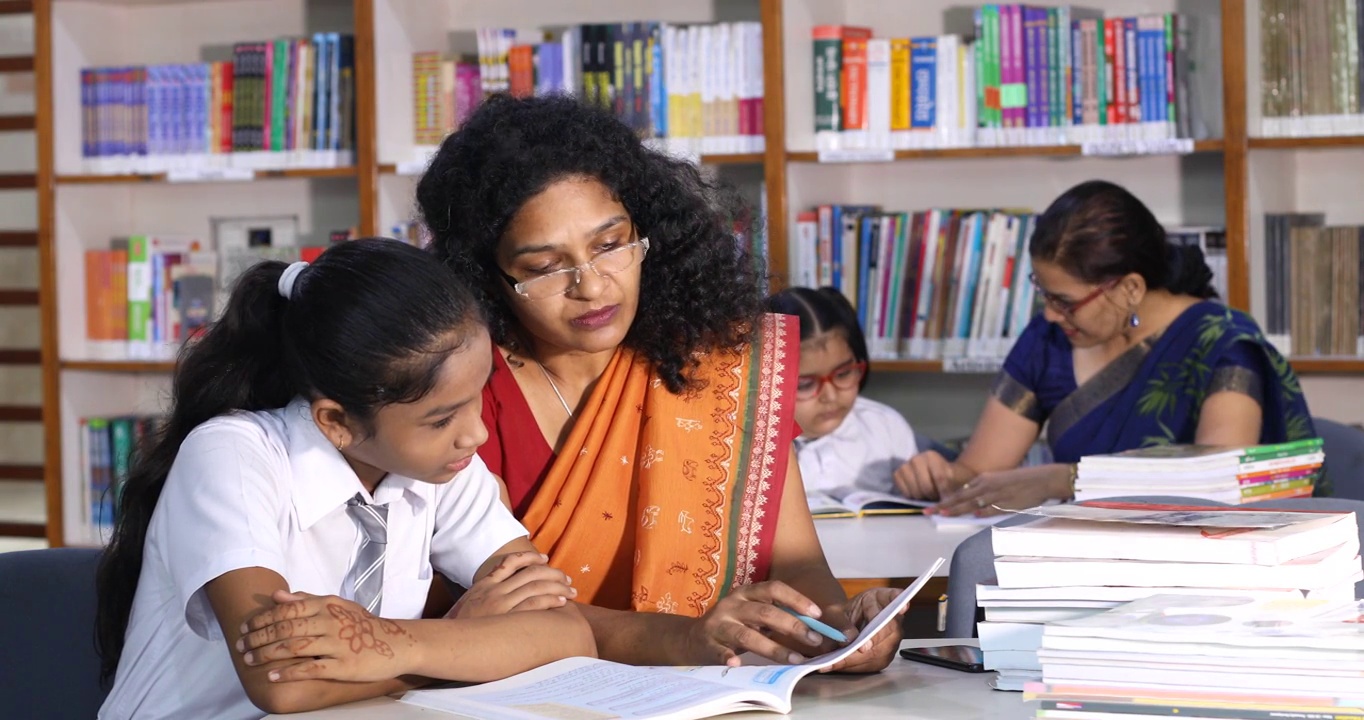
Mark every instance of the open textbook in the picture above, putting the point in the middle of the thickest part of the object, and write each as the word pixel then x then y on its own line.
pixel 591 688
pixel 855 502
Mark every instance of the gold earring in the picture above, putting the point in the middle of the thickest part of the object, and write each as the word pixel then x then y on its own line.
pixel 340 445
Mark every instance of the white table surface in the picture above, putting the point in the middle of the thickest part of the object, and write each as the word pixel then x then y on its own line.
pixel 904 691
pixel 888 546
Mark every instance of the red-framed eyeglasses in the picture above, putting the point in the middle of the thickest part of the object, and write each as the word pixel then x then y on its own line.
pixel 844 377
pixel 1069 307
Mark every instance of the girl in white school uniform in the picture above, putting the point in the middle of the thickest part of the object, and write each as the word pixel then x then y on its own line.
pixel 275 546
pixel 846 441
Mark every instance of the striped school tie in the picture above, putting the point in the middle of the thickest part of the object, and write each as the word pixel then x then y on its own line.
pixel 366 576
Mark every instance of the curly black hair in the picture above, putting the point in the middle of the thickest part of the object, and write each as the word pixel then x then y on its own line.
pixel 700 290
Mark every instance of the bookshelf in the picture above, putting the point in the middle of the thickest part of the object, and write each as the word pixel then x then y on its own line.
pixel 1230 179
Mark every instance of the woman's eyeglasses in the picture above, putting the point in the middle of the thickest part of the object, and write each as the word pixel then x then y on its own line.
pixel 1069 307
pixel 844 377
pixel 611 262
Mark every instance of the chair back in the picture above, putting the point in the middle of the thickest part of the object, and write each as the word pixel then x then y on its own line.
pixel 1344 448
pixel 48 665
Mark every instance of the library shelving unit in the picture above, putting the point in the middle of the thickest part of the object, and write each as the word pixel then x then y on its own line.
pixel 1225 181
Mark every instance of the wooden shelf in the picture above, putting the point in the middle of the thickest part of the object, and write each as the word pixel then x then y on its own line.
pixel 135 178
pixel 25 530
pixel 18 238
pixel 20 413
pixel 120 366
pixel 735 159
pixel 20 357
pixel 16 64
pixel 17 123
pixel 16 7
pixel 1306 143
pixel 21 472
pixel 1019 151
pixel 18 181
pixel 18 297
pixel 1328 366
pixel 910 366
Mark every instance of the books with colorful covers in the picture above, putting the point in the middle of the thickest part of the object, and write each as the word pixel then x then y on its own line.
pixel 1137 531
pixel 1238 647
pixel 592 688
pixel 1231 475
pixel 855 502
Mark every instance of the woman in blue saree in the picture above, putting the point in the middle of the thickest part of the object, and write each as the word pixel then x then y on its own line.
pixel 1130 351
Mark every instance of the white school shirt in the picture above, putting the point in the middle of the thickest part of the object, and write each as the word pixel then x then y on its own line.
pixel 267 489
pixel 862 452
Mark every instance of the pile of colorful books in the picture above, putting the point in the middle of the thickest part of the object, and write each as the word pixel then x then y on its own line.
pixel 1232 475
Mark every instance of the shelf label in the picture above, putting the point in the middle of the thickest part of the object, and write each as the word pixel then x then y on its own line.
pixel 1125 148
pixel 974 365
pixel 856 155
pixel 193 175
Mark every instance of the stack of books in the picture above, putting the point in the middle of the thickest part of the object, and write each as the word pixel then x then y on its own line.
pixel 1229 475
pixel 1080 560
pixel 1211 656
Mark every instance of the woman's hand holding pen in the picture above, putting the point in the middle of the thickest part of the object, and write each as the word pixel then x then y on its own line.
pixel 755 619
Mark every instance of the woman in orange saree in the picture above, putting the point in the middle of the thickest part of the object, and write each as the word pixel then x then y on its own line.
pixel 640 411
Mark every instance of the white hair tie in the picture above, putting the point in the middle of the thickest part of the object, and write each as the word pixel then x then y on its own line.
pixel 289 277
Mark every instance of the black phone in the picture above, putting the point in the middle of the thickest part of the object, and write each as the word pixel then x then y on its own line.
pixel 966 658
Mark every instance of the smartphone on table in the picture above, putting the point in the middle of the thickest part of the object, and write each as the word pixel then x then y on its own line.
pixel 966 658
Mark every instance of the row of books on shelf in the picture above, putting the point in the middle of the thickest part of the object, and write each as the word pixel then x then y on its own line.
pixel 936 284
pixel 1314 285
pixel 286 103
pixel 692 89
pixel 147 294
pixel 1094 565
pixel 108 446
pixel 1019 75
pixel 949 284
pixel 1310 79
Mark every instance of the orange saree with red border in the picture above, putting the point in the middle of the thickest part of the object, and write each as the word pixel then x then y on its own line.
pixel 664 503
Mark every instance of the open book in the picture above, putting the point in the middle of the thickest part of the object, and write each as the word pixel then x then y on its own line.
pixel 590 688
pixel 853 502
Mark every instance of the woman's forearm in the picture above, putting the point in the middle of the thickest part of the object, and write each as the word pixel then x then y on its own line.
pixel 639 638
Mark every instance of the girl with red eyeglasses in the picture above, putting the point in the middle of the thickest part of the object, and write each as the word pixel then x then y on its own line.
pixel 847 441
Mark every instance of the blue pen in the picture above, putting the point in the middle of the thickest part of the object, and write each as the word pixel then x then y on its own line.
pixel 819 627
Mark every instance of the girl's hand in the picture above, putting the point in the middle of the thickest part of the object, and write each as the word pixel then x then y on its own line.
pixel 877 654
pixel 751 619
pixel 926 476
pixel 1008 489
pixel 520 582
pixel 328 638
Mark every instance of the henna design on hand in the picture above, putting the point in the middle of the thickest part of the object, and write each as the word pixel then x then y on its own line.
pixel 358 630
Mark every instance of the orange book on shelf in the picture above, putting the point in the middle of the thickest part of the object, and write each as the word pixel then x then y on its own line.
pixel 521 65
pixel 97 279
pixel 855 78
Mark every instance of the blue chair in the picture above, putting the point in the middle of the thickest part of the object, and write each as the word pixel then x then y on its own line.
pixel 973 563
pixel 48 665
pixel 1344 447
